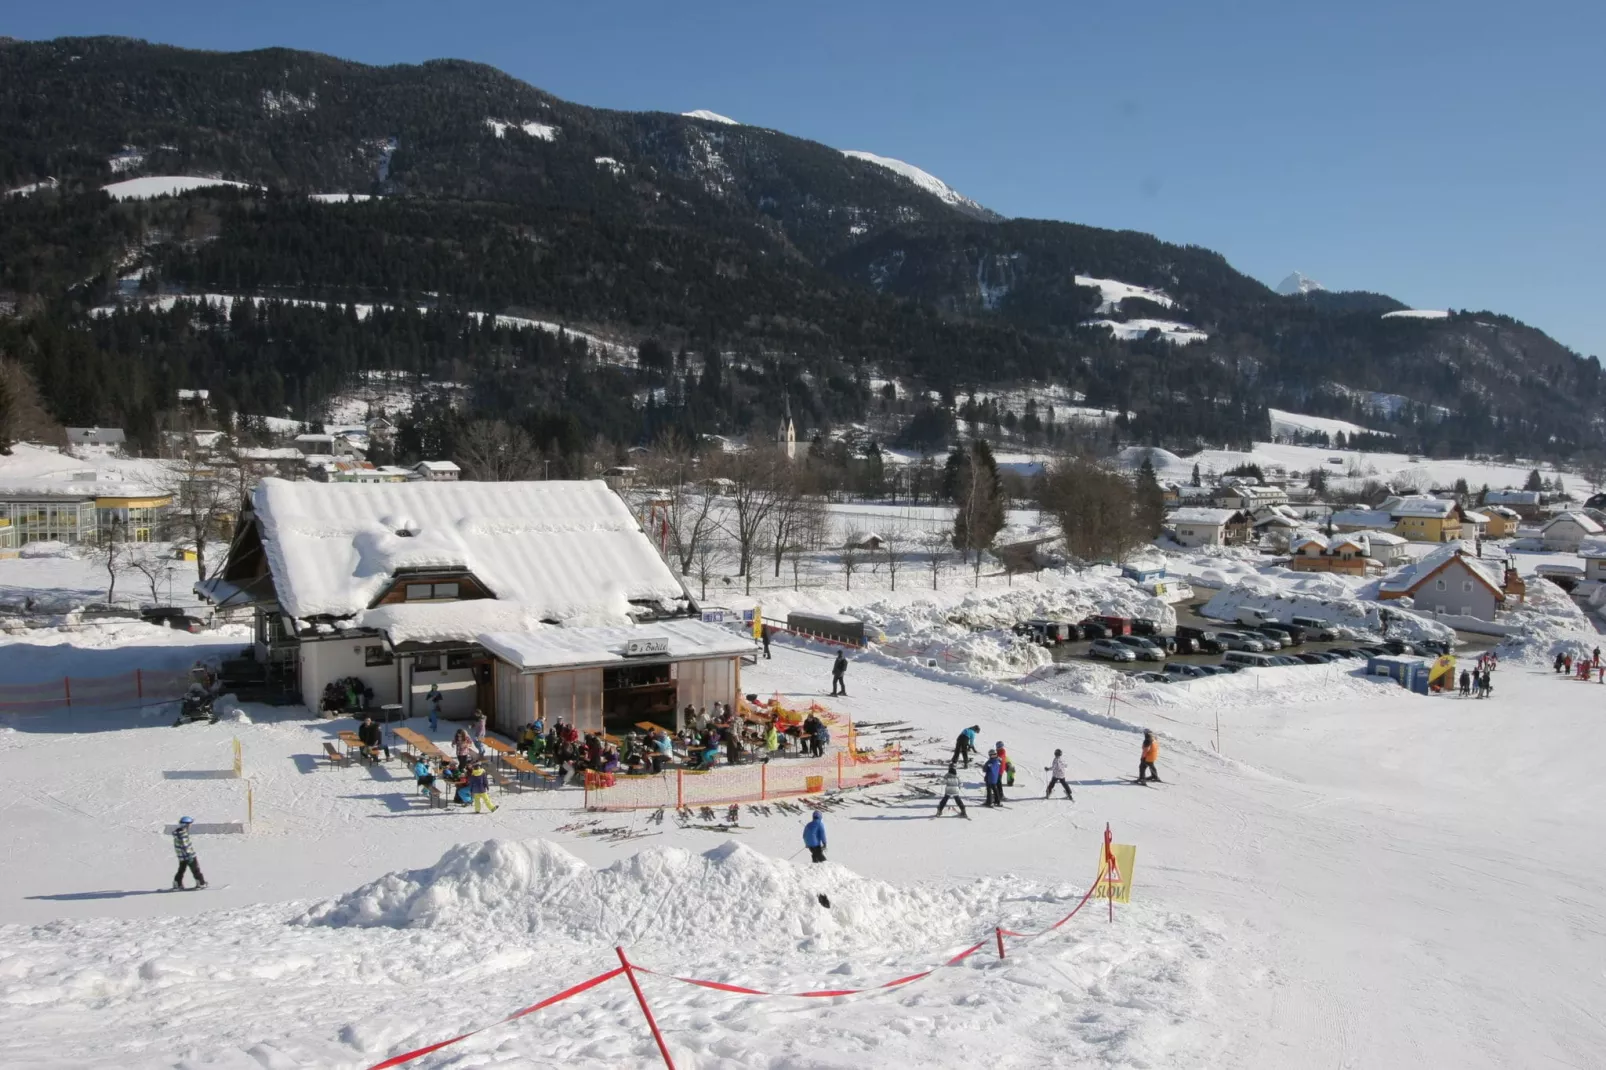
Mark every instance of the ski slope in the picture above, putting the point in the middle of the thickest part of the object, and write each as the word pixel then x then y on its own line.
pixel 1361 877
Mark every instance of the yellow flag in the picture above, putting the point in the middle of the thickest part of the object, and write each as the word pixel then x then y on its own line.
pixel 758 622
pixel 1117 885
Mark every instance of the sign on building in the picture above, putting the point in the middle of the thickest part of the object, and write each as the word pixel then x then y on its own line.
pixel 636 648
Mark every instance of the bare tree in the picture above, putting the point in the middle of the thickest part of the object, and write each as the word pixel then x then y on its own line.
pixel 205 494
pixel 788 516
pixel 896 544
pixel 496 451
pixel 154 569
pixel 112 552
pixel 850 556
pixel 674 500
pixel 708 554
pixel 937 544
pixel 755 487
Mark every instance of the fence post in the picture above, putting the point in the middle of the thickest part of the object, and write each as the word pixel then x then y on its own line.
pixel 139 683
pixel 66 683
pixel 999 932
pixel 630 975
pixel 839 770
pixel 250 806
pixel 764 782
pixel 680 789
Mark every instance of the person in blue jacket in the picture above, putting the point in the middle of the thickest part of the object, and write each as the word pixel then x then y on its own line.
pixel 814 837
pixel 964 745
pixel 992 774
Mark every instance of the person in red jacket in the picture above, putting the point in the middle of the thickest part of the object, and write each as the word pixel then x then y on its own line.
pixel 1003 769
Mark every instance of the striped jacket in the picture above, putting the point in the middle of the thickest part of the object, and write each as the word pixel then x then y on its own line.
pixel 181 844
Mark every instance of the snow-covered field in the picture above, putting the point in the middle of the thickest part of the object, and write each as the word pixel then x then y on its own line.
pixel 1283 423
pixel 143 189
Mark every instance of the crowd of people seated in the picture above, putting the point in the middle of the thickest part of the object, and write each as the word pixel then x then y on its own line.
pixel 349 693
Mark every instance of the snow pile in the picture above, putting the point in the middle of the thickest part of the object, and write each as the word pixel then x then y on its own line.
pixel 665 897
pixel 1549 623
pixel 1322 596
pixel 143 189
pixel 925 180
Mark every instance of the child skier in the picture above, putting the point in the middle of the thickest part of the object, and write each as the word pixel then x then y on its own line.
pixel 814 837
pixel 479 786
pixel 1056 775
pixel 1003 770
pixel 186 855
pixel 992 775
pixel 950 790
pixel 1150 754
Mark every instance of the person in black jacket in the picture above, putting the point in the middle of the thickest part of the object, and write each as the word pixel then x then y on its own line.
pixel 839 668
pixel 372 739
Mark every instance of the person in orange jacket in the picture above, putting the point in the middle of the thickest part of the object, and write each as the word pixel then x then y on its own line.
pixel 1151 754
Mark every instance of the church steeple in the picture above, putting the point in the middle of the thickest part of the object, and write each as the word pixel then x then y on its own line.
pixel 786 437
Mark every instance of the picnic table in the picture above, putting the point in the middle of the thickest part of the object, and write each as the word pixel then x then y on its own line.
pixel 498 746
pixel 419 743
pixel 349 738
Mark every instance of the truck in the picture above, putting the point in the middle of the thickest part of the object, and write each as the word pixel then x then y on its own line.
pixel 1116 625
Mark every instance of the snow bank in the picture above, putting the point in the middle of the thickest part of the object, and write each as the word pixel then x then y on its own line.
pixel 1549 623
pixel 731 895
pixel 1325 597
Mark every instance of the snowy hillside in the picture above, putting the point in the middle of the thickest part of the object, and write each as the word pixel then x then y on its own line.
pixel 1283 423
pixel 1176 333
pixel 926 181
pixel 1417 314
pixel 710 116
pixel 141 189
pixel 1297 283
pixel 1113 292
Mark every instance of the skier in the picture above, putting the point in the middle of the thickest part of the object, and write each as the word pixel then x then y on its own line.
pixel 765 634
pixel 1466 684
pixel 839 668
pixel 186 855
pixel 434 700
pixel 479 787
pixel 992 775
pixel 1150 754
pixel 1556 665
pixel 964 745
pixel 814 837
pixel 1003 770
pixel 950 790
pixel 1488 683
pixel 371 738
pixel 1056 775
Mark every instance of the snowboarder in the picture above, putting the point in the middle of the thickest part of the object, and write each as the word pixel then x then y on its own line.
pixel 765 635
pixel 186 855
pixel 992 775
pixel 1150 754
pixel 950 790
pixel 479 787
pixel 372 740
pixel 814 837
pixel 964 745
pixel 1056 775
pixel 1003 770
pixel 1466 684
pixel 839 669
pixel 434 700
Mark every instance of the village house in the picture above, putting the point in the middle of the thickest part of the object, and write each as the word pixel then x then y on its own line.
pixel 1350 555
pixel 1503 522
pixel 1386 548
pixel 1367 520
pixel 1249 495
pixel 437 471
pixel 1593 553
pixel 1452 581
pixel 1420 518
pixel 1195 526
pixel 519 599
pixel 74 505
pixel 1567 531
pixel 1528 504
pixel 90 442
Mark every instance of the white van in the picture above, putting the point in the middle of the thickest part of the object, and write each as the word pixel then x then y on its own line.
pixel 1251 617
pixel 1248 660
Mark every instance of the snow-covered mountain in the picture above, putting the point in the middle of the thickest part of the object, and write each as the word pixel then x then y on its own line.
pixel 1298 283
pixel 924 179
pixel 710 116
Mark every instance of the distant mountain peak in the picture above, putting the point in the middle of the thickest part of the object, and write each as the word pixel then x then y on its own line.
pixel 924 179
pixel 1298 283
pixel 710 116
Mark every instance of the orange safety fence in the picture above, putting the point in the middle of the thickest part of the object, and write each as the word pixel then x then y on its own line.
pixel 134 688
pixel 757 782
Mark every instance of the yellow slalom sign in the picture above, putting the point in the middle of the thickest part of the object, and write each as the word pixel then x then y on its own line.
pixel 758 622
pixel 1115 883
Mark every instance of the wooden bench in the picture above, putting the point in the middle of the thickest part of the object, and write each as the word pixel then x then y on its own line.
pixel 334 755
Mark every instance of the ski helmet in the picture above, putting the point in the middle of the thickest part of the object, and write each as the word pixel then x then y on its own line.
pixel 1058 753
pixel 186 821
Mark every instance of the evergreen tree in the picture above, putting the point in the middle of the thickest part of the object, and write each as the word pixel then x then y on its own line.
pixel 1194 479
pixel 1535 481
pixel 1149 506
pixel 980 516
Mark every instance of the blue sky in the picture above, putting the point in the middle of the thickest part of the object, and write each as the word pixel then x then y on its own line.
pixel 1449 154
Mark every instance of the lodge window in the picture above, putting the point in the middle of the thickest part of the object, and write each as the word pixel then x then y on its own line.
pixel 427 663
pixel 432 592
pixel 376 655
pixel 1466 586
pixel 460 659
pixel 1438 585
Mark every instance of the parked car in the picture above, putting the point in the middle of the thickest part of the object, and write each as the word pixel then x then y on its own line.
pixel 1296 634
pixel 1399 646
pixel 1111 650
pixel 1344 652
pixel 1197 641
pixel 1047 632
pixel 1145 626
pixel 1184 672
pixel 1285 660
pixel 1211 670
pixel 174 617
pixel 1228 668
pixel 1248 659
pixel 1150 678
pixel 1432 646
pixel 1241 641
pixel 1145 649
pixel 1093 628
pixel 1273 640
pixel 1317 629
pixel 1313 659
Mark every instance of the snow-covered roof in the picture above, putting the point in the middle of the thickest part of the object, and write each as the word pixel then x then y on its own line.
pixel 1359 540
pixel 549 647
pixel 1215 517
pixel 437 466
pixel 1583 520
pixel 1475 517
pixel 1309 540
pixel 1363 518
pixel 1500 511
pixel 1511 497
pixel 1592 546
pixel 269 453
pixel 1385 538
pixel 1407 578
pixel 97 436
pixel 561 550
pixel 1419 505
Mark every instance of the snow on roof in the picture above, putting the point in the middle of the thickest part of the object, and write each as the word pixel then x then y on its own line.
pixel 1501 511
pixel 143 189
pixel 559 550
pixel 1420 505
pixel 926 181
pixel 1363 518
pixel 1592 546
pixel 41 471
pixel 1217 517
pixel 1360 540
pixel 269 453
pixel 1415 573
pixel 1475 517
pixel 437 466
pixel 1309 540
pixel 1386 538
pixel 548 647
pixel 1583 520
pixel 1511 497
pixel 99 436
